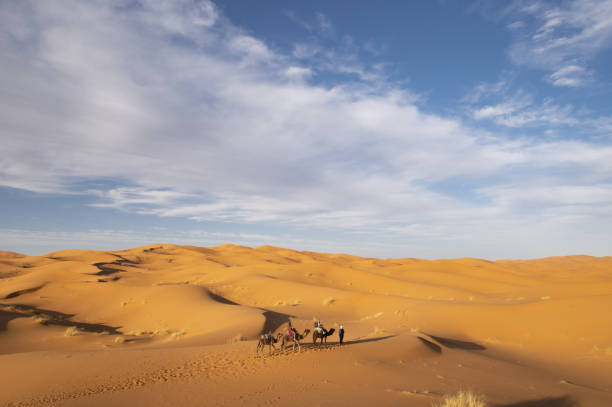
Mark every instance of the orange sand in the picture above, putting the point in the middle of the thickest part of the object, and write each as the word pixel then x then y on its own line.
pixel 167 325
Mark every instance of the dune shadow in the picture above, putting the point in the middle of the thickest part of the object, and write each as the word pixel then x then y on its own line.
pixel 366 340
pixel 21 292
pixel 6 317
pixel 50 317
pixel 274 320
pixel 105 270
pixel 308 344
pixel 436 348
pixel 565 401
pixel 221 299
pixel 455 343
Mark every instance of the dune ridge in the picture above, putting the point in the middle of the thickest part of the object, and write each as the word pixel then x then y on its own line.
pixel 544 318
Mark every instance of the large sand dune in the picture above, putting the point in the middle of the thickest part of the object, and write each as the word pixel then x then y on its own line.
pixel 178 326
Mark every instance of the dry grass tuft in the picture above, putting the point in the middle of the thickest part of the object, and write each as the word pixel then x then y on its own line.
pixel 71 331
pixel 462 399
pixel 176 335
pixel 280 303
pixel 119 339
pixel 140 332
pixel 41 319
pixel 329 301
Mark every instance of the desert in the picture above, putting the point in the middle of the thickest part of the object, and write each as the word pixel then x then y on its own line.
pixel 179 326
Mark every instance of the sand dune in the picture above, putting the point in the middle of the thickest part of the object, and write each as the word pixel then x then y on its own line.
pixel 178 325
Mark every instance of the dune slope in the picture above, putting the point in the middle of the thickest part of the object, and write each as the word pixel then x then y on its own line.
pixel 161 323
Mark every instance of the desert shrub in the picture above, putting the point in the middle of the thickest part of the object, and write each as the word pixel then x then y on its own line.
pixel 176 335
pixel 71 331
pixel 140 332
pixel 41 319
pixel 462 399
pixel 119 339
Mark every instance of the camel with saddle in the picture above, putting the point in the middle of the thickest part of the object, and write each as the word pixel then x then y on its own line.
pixel 295 339
pixel 268 339
pixel 321 333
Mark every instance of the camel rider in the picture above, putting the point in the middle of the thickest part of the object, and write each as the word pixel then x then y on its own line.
pixel 318 324
pixel 291 331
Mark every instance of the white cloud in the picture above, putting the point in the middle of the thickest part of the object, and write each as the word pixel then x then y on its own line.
pixel 519 110
pixel 570 75
pixel 189 116
pixel 560 37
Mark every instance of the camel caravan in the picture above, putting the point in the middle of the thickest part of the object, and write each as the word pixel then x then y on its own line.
pixel 293 337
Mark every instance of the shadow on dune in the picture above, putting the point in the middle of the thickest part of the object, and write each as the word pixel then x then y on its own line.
pixel 565 401
pixel 49 317
pixel 274 320
pixel 105 270
pixel 21 292
pixel 436 348
pixel 356 341
pixel 455 343
pixel 6 317
pixel 221 299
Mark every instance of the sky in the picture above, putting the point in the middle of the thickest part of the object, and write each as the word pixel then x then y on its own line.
pixel 433 129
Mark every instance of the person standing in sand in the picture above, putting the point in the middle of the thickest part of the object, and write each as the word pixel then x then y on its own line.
pixel 341 334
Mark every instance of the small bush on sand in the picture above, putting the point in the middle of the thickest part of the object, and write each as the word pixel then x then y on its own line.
pixel 462 399
pixel 71 331
pixel 119 339
pixel 176 335
pixel 41 319
pixel 140 332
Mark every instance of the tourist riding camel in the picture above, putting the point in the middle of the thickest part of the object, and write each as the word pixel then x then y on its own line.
pixel 293 336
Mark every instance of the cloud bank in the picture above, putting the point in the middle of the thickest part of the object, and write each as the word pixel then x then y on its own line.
pixel 184 114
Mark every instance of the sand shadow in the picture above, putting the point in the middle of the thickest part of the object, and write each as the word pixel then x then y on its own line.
pixel 436 348
pixel 565 401
pixel 455 343
pixel 274 320
pixel 105 270
pixel 365 340
pixel 6 317
pixel 21 292
pixel 50 317
pixel 220 299
pixel 306 343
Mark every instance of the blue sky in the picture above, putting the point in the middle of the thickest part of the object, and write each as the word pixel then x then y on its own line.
pixel 408 129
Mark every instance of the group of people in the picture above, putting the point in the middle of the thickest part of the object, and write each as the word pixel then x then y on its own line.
pixel 291 331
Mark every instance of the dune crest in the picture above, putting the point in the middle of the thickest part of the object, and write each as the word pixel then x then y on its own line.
pixel 525 316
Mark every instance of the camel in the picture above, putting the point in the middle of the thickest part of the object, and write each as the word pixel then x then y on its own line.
pixel 321 333
pixel 268 339
pixel 295 339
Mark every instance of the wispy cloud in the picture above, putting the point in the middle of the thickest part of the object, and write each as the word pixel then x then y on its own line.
pixel 560 37
pixel 515 108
